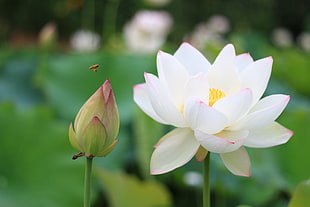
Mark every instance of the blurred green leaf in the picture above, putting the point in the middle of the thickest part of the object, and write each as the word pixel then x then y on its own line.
pixel 36 167
pixel 68 82
pixel 16 83
pixel 250 41
pixel 301 197
pixel 147 133
pixel 291 156
pixel 257 190
pixel 292 66
pixel 127 191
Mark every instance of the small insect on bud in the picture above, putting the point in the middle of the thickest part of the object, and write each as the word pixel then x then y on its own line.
pixel 94 67
pixel 80 154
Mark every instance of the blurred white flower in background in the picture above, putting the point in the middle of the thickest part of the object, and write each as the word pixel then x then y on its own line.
pixel 282 37
pixel 303 41
pixel 210 32
pixel 193 178
pixel 147 31
pixel 85 41
pixel 219 24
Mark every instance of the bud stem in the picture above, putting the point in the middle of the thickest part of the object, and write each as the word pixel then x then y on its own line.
pixel 87 181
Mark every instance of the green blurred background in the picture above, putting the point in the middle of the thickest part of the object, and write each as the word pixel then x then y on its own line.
pixel 44 80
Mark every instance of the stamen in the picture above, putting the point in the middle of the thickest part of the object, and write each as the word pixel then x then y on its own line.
pixel 182 109
pixel 215 95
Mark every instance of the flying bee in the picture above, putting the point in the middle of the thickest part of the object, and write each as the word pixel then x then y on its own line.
pixel 94 67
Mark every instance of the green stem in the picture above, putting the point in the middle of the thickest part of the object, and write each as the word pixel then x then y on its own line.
pixel 87 181
pixel 206 181
pixel 88 15
pixel 110 17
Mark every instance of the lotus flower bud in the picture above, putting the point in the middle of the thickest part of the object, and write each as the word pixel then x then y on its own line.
pixel 96 124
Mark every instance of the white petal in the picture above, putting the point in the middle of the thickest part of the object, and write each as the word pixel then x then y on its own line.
pixel 263 113
pixel 269 101
pixel 203 117
pixel 177 148
pixel 235 105
pixel 256 77
pixel 237 162
pixel 223 142
pixel 274 134
pixel 228 53
pixel 162 103
pixel 173 74
pixel 223 74
pixel 197 86
pixel 243 60
pixel 142 99
pixel 192 59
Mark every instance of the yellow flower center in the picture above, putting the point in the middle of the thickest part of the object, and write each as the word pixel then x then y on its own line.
pixel 215 95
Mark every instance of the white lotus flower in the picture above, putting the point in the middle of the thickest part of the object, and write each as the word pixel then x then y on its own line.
pixel 215 107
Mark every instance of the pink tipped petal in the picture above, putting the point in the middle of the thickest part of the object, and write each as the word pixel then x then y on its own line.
pixel 235 105
pixel 256 77
pixel 274 134
pixel 175 150
pixel 223 74
pixel 192 59
pixel 263 113
pixel 142 99
pixel 223 142
pixel 278 100
pixel 197 86
pixel 173 74
pixel 162 103
pixel 243 60
pixel 203 117
pixel 237 162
